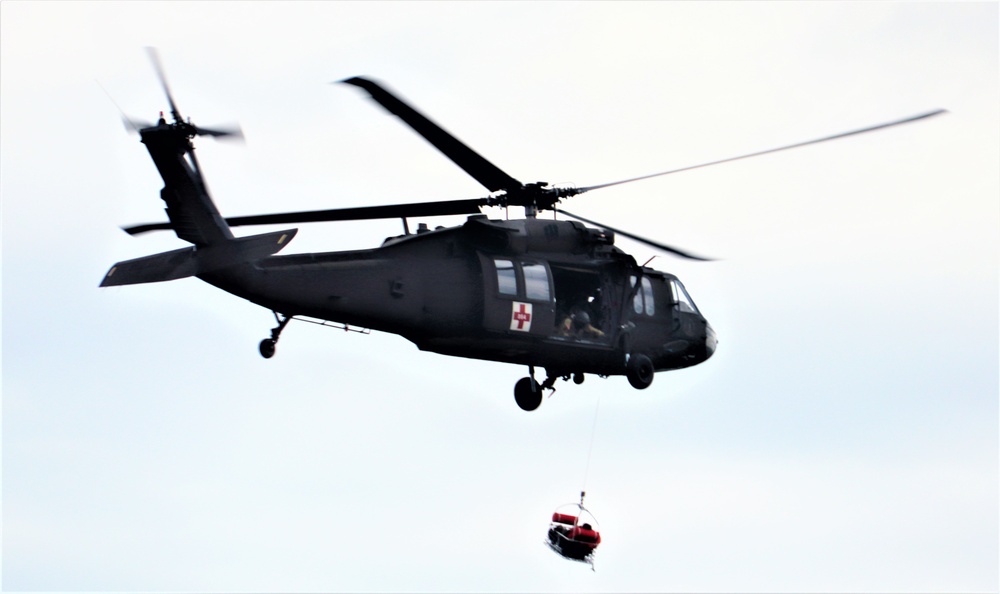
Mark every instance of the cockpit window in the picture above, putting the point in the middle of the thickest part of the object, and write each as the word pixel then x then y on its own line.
pixel 682 300
pixel 647 295
pixel 643 299
pixel 506 277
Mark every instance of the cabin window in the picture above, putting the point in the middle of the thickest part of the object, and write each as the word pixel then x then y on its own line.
pixel 536 282
pixel 506 277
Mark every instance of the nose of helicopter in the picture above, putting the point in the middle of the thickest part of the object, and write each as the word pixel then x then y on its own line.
pixel 710 341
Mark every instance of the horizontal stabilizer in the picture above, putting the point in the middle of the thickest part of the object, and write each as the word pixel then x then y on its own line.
pixel 192 261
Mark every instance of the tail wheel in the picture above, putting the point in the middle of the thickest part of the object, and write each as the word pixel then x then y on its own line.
pixel 527 393
pixel 267 348
pixel 639 371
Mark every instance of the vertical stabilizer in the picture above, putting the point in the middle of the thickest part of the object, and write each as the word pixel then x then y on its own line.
pixel 190 209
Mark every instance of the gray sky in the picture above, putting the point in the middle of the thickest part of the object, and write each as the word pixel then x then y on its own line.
pixel 843 438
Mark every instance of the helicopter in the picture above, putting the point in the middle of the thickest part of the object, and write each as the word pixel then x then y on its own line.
pixel 543 293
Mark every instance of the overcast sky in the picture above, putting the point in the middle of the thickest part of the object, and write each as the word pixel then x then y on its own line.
pixel 843 438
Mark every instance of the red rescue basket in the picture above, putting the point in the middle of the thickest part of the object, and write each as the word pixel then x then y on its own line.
pixel 573 532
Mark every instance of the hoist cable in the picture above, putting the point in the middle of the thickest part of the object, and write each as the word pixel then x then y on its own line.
pixel 590 450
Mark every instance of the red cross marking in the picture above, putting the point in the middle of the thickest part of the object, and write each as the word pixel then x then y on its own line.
pixel 522 317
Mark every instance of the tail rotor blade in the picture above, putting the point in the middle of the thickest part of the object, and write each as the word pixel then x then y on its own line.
pixel 133 125
pixel 233 132
pixel 154 56
pixel 228 133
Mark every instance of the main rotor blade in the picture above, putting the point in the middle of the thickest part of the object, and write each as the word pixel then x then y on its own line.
pixel 648 242
pixel 486 173
pixel 390 211
pixel 154 56
pixel 773 150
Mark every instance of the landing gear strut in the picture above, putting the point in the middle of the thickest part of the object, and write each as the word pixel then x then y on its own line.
pixel 267 346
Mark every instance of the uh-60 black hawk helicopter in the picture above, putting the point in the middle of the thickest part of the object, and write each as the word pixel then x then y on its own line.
pixel 550 294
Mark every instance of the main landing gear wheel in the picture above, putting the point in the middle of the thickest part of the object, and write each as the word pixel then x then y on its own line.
pixel 528 393
pixel 639 371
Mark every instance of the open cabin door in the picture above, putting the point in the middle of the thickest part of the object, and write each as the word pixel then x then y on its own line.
pixel 588 301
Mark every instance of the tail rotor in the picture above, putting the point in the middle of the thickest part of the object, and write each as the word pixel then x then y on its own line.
pixel 230 132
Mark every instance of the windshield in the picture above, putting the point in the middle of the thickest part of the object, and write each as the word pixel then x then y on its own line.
pixel 681 298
